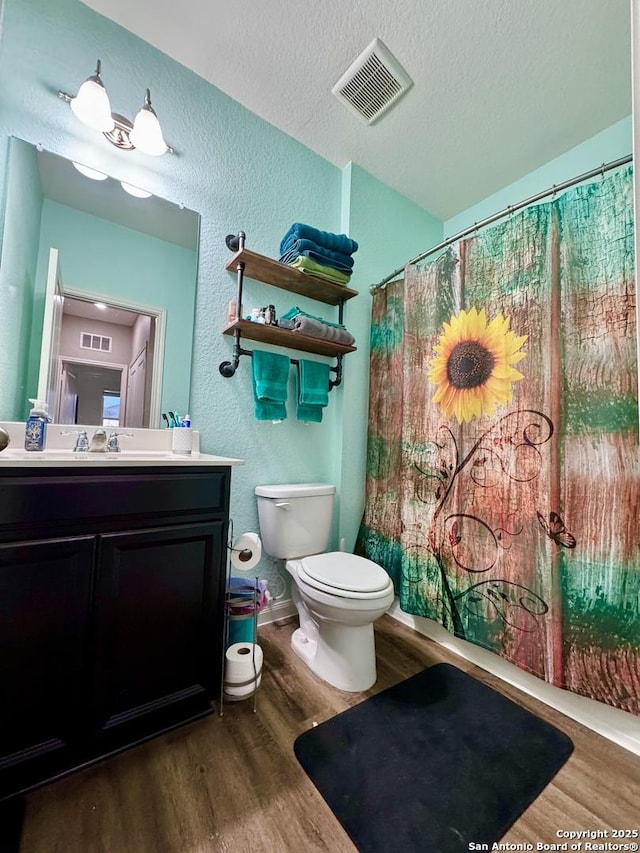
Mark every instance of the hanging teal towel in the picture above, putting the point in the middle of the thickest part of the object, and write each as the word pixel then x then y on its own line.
pixel 313 390
pixel 270 376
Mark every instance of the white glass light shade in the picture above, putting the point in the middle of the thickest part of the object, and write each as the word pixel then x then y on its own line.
pixel 147 133
pixel 88 172
pixel 135 191
pixel 91 105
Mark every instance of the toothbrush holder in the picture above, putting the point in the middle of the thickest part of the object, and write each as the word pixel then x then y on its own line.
pixel 182 440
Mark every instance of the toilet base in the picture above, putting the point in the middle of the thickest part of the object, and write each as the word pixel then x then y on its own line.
pixel 342 655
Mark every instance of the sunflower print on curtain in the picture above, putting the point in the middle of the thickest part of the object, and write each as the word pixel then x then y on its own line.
pixel 503 474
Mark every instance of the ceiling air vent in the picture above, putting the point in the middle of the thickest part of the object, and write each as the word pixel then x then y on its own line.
pixel 373 83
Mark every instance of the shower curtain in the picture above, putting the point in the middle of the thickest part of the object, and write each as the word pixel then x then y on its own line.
pixel 503 479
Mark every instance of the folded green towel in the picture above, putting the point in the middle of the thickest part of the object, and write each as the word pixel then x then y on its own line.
pixel 313 390
pixel 311 267
pixel 270 377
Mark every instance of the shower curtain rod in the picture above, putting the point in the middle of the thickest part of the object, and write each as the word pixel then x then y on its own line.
pixel 506 212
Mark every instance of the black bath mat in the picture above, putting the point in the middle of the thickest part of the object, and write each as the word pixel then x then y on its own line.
pixel 432 765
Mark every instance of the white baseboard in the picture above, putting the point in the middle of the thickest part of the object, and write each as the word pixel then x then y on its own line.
pixel 612 723
pixel 276 610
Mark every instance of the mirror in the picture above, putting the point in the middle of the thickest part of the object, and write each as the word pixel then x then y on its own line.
pixel 102 286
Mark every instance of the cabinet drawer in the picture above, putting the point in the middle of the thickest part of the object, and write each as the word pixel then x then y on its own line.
pixel 76 499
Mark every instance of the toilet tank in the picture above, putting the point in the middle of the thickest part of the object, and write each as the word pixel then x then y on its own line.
pixel 295 519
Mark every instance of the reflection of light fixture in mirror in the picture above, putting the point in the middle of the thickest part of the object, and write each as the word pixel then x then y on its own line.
pixel 135 191
pixel 88 172
pixel 91 105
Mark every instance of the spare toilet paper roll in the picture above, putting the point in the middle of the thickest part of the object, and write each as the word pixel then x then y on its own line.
pixel 242 670
pixel 246 552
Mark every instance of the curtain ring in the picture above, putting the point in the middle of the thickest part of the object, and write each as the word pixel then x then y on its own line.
pixel 602 171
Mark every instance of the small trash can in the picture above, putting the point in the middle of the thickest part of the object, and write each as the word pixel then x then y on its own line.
pixel 244 601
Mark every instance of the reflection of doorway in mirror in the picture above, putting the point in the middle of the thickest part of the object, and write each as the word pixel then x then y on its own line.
pixel 97 334
pixel 84 386
pixel 104 351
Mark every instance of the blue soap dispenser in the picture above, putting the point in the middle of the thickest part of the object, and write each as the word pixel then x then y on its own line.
pixel 36 427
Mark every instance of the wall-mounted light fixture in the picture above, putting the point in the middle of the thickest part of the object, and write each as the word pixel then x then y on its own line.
pixel 91 105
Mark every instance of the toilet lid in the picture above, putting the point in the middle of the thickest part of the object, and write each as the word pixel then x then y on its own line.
pixel 346 572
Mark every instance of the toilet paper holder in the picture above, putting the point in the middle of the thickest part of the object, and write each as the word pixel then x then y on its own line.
pixel 244 554
pixel 245 551
pixel 243 557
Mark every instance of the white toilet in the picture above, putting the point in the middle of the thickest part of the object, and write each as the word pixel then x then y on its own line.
pixel 338 595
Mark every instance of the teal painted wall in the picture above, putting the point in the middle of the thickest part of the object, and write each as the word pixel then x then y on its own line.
pixel 604 147
pixel 238 172
pixel 18 261
pixel 119 263
pixel 391 229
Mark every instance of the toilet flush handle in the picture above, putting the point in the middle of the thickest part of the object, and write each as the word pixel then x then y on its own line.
pixel 283 505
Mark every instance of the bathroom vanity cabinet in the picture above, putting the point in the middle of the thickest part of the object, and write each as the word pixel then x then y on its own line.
pixel 111 609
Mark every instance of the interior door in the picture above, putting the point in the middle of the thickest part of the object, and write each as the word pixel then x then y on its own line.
pixel 51 330
pixel 134 412
pixel 68 396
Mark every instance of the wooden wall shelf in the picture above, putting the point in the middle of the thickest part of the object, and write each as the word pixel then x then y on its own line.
pixel 261 268
pixel 243 263
pixel 286 338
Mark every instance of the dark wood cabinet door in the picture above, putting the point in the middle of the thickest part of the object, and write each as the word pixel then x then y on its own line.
pixel 45 601
pixel 158 629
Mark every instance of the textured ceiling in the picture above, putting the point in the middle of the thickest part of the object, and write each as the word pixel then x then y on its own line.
pixel 501 86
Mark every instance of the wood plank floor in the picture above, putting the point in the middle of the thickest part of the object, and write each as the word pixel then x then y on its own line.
pixel 233 784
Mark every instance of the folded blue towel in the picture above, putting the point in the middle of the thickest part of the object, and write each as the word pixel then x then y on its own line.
pixel 313 390
pixel 304 246
pixel 334 242
pixel 270 377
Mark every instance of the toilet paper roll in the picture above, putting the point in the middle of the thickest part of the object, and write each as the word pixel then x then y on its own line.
pixel 246 552
pixel 239 663
pixel 235 694
pixel 242 670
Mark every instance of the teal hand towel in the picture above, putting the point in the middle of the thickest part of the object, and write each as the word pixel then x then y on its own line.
pixel 313 390
pixel 270 376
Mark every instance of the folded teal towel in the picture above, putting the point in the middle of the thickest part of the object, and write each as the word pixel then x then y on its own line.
pixel 335 242
pixel 313 390
pixel 295 312
pixel 270 377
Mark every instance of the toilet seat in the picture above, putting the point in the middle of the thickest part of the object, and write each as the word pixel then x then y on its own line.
pixel 344 575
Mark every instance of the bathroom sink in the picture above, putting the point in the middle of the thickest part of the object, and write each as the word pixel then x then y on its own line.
pixel 49 458
pixel 70 456
pixel 137 447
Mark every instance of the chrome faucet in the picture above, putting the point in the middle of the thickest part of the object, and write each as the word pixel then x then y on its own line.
pixel 82 439
pixel 113 444
pixel 98 442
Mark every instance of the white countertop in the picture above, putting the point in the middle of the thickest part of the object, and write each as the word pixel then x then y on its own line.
pixel 147 447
